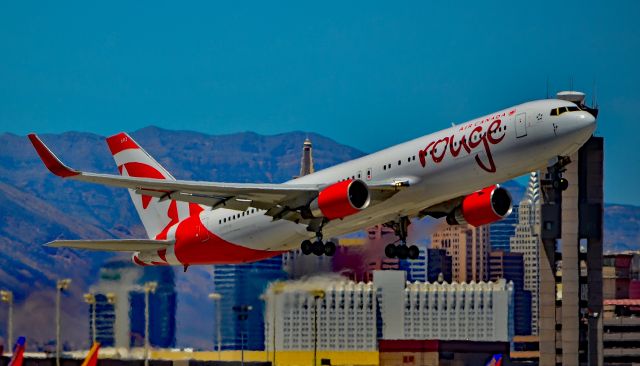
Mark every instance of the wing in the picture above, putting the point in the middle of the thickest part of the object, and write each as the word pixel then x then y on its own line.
pixel 280 200
pixel 113 245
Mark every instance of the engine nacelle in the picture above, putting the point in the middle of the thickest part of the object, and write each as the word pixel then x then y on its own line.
pixel 341 199
pixel 482 207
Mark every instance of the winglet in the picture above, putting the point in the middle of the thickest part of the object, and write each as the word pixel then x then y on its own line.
pixel 50 160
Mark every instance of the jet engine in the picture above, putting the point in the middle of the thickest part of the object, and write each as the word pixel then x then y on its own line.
pixel 482 207
pixel 341 199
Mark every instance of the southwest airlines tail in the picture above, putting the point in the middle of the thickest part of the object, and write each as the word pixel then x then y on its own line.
pixel 18 352
pixel 156 214
pixel 495 360
pixel 92 356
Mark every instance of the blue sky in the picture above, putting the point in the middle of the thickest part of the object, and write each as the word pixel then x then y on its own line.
pixel 368 74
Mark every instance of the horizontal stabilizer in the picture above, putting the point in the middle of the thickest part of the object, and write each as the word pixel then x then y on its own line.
pixel 113 245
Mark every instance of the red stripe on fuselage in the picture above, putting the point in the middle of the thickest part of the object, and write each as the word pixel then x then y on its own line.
pixel 196 245
pixel 121 142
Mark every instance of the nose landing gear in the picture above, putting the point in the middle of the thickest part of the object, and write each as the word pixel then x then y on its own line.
pixel 402 250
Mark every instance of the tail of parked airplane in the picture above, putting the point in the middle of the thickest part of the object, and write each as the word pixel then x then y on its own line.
pixel 92 356
pixel 18 352
pixel 157 214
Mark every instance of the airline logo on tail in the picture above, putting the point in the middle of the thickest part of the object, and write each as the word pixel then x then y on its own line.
pixel 496 360
pixel 92 356
pixel 18 352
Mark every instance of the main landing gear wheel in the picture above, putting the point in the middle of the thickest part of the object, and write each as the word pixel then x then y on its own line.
pixel 561 184
pixel 414 252
pixel 390 251
pixel 318 248
pixel 329 249
pixel 306 247
pixel 401 251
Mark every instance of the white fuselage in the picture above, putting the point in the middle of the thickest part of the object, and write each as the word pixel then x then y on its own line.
pixel 444 165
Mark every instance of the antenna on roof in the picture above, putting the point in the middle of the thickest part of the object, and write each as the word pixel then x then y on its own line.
pixel 594 96
pixel 570 82
pixel 547 87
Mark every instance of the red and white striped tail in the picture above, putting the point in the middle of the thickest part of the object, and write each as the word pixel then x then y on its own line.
pixel 133 161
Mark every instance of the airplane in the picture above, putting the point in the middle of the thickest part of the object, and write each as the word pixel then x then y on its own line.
pixel 18 352
pixel 453 173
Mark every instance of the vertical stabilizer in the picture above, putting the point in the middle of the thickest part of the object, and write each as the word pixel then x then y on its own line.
pixel 156 215
pixel 18 352
pixel 92 356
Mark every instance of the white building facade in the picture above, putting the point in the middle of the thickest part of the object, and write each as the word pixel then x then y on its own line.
pixel 346 315
pixel 353 316
pixel 526 240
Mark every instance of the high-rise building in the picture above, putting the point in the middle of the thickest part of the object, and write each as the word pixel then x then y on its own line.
pixel 510 266
pixel 438 263
pixel 501 231
pixel 242 285
pixel 571 305
pixel 120 320
pixel 468 247
pixel 162 308
pixel 526 240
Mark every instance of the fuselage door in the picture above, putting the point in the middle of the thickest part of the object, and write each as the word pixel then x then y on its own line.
pixel 521 125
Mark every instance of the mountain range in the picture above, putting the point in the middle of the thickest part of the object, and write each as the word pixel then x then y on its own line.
pixel 37 207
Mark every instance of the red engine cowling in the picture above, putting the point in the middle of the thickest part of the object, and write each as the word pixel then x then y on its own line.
pixel 482 207
pixel 340 200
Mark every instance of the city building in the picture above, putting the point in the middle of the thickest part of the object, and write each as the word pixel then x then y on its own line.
pixel 162 308
pixel 355 316
pixel 345 316
pixel 120 316
pixel 510 266
pixel 501 231
pixel 416 268
pixel 526 240
pixel 571 303
pixel 242 285
pixel 621 339
pixel 621 275
pixel 438 263
pixel 468 248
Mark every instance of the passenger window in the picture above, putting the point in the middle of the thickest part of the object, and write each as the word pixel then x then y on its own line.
pixel 225 219
pixel 414 158
pixel 399 162
pixel 384 167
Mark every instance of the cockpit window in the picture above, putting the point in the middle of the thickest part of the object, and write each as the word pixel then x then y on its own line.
pixel 560 110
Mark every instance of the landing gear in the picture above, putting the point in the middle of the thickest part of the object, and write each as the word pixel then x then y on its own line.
pixel 401 251
pixel 555 173
pixel 318 247
pixel 561 184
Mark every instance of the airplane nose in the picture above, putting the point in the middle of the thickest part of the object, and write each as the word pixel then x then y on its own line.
pixel 584 121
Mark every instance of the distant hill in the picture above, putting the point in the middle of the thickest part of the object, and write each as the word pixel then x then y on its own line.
pixel 38 207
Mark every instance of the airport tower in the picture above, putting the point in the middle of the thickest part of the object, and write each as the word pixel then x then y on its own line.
pixel 306 167
pixel 526 240
pixel 571 300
